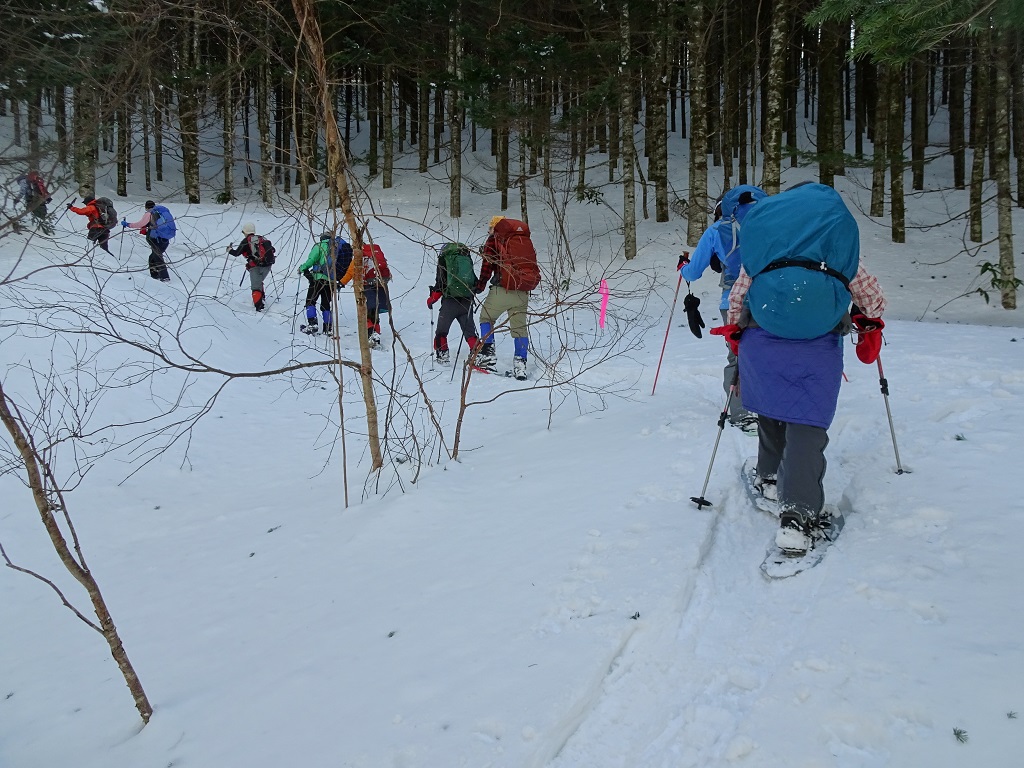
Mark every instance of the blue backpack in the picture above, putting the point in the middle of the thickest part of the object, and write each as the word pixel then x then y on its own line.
pixel 164 226
pixel 342 257
pixel 736 203
pixel 801 248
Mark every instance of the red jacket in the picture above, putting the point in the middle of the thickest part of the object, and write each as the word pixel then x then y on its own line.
pixel 371 253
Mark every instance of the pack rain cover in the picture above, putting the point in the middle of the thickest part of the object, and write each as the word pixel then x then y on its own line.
pixel 808 223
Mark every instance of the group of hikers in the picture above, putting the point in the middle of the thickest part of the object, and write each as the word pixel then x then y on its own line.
pixel 509 267
pixel 793 285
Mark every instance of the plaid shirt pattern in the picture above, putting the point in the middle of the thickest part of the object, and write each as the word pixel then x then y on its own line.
pixel 864 290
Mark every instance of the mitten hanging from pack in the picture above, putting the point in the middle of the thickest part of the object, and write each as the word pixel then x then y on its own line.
pixel 693 318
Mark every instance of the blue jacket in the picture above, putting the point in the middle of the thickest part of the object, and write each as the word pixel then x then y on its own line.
pixel 717 240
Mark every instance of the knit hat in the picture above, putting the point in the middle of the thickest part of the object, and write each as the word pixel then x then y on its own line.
pixel 150 204
pixel 248 228
pixel 495 220
pixel 88 199
pixel 326 236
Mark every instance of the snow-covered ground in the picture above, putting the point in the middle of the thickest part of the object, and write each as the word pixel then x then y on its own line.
pixel 552 599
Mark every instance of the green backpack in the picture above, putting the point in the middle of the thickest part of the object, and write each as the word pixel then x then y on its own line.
pixel 459 266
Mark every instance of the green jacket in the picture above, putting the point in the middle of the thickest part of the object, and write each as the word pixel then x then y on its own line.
pixel 316 262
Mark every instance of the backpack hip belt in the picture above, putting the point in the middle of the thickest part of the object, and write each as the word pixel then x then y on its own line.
pixel 814 266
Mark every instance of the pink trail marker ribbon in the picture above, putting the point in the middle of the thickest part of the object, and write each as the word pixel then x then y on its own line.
pixel 603 290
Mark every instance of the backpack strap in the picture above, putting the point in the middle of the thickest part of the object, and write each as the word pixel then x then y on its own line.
pixel 814 266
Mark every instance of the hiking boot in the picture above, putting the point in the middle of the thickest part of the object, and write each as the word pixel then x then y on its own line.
pixel 519 368
pixel 309 330
pixel 487 358
pixel 374 340
pixel 795 535
pixel 442 356
pixel 766 486
pixel 747 422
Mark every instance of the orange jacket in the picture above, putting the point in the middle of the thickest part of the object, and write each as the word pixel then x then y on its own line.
pixel 90 210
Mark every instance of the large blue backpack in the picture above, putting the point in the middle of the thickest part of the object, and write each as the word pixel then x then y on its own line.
pixel 801 248
pixel 164 223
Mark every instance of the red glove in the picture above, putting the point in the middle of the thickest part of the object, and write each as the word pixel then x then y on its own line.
pixel 869 337
pixel 434 297
pixel 731 333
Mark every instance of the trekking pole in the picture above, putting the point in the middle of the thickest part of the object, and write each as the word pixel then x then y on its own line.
pixel 679 284
pixel 295 309
pixel 456 363
pixel 884 385
pixel 433 352
pixel 700 501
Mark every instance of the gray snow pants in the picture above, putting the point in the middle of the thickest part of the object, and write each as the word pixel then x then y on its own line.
pixel 796 454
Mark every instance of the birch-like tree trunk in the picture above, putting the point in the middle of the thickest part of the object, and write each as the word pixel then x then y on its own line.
pixel 84 138
pixel 145 101
pixel 894 141
pixel 979 135
pixel 423 146
pixel 189 109
pixel 454 118
pixel 228 129
pixel 387 180
pixel 124 148
pixel 337 176
pixel 696 210
pixel 266 141
pixel 159 112
pixel 628 146
pixel 918 118
pixel 1017 115
pixel 657 108
pixel 771 174
pixel 35 118
pixel 880 135
pixel 1004 203
pixel 50 503
pixel 60 122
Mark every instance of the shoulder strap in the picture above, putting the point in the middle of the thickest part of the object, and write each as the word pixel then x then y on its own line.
pixel 811 265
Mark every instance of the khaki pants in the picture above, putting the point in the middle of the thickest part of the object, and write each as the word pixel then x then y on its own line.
pixel 500 301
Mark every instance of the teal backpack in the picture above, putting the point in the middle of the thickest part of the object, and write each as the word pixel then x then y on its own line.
pixel 801 248
pixel 459 267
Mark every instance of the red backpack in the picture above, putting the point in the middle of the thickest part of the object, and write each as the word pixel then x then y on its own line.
pixel 518 265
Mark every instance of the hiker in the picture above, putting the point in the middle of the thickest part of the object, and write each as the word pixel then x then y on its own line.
pixel 376 276
pixel 259 258
pixel 453 286
pixel 317 271
pixel 719 248
pixel 791 302
pixel 98 211
pixel 32 189
pixel 159 227
pixel 510 266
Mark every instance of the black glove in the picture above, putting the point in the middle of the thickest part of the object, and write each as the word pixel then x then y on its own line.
pixel 716 263
pixel 684 259
pixel 693 318
pixel 49 199
pixel 68 206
